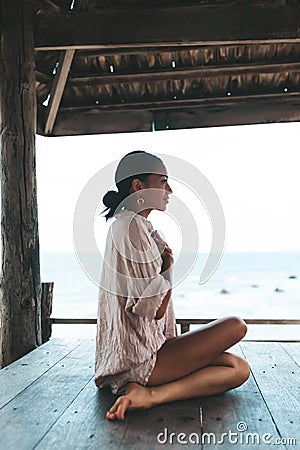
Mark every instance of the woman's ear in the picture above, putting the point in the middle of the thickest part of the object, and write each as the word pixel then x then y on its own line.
pixel 136 185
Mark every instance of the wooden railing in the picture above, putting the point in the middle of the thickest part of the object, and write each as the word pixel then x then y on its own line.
pixel 185 324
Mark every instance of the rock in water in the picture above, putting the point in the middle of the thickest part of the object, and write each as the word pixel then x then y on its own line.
pixel 279 290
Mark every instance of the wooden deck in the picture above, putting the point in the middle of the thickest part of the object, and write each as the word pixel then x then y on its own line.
pixel 48 400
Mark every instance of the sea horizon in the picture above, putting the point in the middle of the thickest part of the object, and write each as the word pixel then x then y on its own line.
pixel 260 285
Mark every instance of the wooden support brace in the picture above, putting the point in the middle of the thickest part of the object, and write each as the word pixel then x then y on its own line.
pixel 57 89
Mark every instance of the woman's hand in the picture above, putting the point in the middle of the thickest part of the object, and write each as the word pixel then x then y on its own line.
pixel 167 257
pixel 165 251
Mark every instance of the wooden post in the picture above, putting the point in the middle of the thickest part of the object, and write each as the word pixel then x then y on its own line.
pixel 184 328
pixel 47 296
pixel 20 294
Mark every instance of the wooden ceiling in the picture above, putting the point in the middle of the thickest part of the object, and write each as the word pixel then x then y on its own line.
pixel 108 66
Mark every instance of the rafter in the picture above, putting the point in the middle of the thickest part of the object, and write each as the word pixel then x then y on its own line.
pixel 188 73
pixel 183 102
pixel 133 50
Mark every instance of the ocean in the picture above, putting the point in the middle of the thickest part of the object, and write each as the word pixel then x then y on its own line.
pixel 249 285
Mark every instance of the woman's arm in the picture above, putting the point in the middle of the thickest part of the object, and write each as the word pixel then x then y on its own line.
pixel 144 271
pixel 162 309
pixel 166 271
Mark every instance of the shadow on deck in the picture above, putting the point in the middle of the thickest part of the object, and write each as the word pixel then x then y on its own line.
pixel 48 400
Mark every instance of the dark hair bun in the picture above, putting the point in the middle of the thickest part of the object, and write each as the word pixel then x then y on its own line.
pixel 110 199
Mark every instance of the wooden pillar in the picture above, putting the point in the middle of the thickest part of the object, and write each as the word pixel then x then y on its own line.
pixel 20 294
pixel 47 296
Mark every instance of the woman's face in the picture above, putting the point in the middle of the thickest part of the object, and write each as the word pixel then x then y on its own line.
pixel 156 189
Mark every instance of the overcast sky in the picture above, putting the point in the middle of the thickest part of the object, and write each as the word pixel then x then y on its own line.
pixel 254 170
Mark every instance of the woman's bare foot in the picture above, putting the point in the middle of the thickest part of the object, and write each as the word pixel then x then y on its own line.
pixel 136 397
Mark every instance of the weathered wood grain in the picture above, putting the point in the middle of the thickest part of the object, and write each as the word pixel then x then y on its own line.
pixel 30 415
pixel 46 310
pixel 89 428
pixel 57 88
pixel 278 378
pixel 62 409
pixel 19 375
pixel 166 106
pixel 177 115
pixel 20 296
pixel 83 424
pixel 241 411
pixel 91 123
pixel 292 350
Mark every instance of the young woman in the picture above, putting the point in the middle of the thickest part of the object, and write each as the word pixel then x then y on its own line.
pixel 138 352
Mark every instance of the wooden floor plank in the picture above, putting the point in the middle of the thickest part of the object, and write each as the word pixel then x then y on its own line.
pixel 29 416
pixel 278 378
pixel 241 411
pixel 293 350
pixel 62 409
pixel 153 428
pixel 89 428
pixel 17 376
pixel 83 424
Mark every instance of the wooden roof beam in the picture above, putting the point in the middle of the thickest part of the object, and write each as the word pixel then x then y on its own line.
pixel 175 26
pixel 184 102
pixel 183 74
pixel 100 51
pixel 255 110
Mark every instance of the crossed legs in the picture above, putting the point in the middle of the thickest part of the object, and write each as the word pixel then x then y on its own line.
pixel 194 364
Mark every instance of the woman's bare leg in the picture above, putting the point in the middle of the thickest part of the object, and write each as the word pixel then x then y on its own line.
pixel 228 371
pixel 204 369
pixel 196 349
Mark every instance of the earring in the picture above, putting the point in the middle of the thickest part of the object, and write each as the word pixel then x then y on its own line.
pixel 140 201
